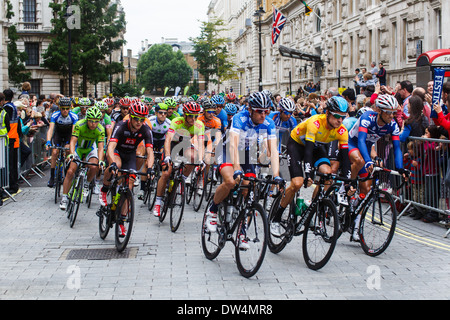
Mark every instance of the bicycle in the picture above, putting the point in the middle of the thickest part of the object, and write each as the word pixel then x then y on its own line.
pixel 318 224
pixel 59 171
pixel 152 183
pixel 196 190
pixel 378 213
pixel 175 199
pixel 120 209
pixel 75 195
pixel 243 221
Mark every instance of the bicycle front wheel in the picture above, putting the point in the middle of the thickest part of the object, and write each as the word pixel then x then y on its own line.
pixel 213 242
pixel 177 205
pixel 320 235
pixel 199 190
pixel 251 241
pixel 124 221
pixel 77 196
pixel 377 225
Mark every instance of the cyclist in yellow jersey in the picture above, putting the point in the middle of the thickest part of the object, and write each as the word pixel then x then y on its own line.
pixel 181 129
pixel 306 149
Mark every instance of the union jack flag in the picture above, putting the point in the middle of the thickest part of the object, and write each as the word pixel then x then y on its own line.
pixel 278 23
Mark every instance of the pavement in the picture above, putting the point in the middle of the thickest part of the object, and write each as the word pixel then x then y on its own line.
pixel 42 258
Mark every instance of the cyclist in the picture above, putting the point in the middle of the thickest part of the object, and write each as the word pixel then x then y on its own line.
pixel 231 97
pixel 307 144
pixel 369 128
pixel 212 128
pixel 249 129
pixel 171 109
pixel 160 126
pixel 230 109
pixel 125 139
pixel 118 115
pixel 105 120
pixel 83 105
pixel 185 137
pixel 60 132
pixel 88 138
pixel 219 101
pixel 283 119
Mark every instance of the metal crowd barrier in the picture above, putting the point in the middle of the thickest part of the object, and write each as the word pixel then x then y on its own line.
pixel 4 165
pixel 38 156
pixel 429 163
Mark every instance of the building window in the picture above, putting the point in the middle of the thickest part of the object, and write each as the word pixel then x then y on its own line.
pixel 29 10
pixel 35 87
pixel 32 50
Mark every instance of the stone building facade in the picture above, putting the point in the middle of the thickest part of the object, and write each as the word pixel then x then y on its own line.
pixel 33 22
pixel 345 34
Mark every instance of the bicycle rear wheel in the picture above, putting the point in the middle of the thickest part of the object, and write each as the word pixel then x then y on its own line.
pixel 152 185
pixel 124 221
pixel 378 222
pixel 58 181
pixel 320 235
pixel 177 204
pixel 251 241
pixel 213 242
pixel 199 190
pixel 277 243
pixel 104 222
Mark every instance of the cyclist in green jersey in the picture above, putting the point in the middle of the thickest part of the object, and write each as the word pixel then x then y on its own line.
pixel 83 105
pixel 88 138
pixel 171 109
pixel 185 137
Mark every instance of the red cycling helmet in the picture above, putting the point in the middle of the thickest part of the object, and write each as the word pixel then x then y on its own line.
pixel 125 102
pixel 109 101
pixel 231 96
pixel 138 109
pixel 192 107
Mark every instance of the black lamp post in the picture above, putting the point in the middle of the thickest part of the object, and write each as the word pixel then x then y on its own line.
pixel 259 13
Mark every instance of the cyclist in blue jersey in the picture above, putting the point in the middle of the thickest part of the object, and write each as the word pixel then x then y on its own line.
pixel 219 102
pixel 369 128
pixel 60 132
pixel 230 109
pixel 283 119
pixel 249 129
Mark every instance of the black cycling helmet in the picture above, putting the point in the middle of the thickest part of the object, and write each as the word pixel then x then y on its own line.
pixel 259 100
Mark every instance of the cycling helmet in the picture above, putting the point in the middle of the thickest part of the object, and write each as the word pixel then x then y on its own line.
pixel 161 106
pixel 148 100
pixel 362 111
pixel 195 97
pixel 267 93
pixel 287 105
pixel 84 102
pixel 125 102
pixel 259 100
pixel 192 107
pixel 337 104
pixel 171 103
pixel 101 105
pixel 93 113
pixel 138 109
pixel 109 101
pixel 387 102
pixel 231 109
pixel 231 96
pixel 218 100
pixel 65 102
pixel 207 104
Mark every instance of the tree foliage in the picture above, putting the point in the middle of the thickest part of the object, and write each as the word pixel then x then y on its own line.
pixel 16 59
pixel 99 35
pixel 162 67
pixel 212 55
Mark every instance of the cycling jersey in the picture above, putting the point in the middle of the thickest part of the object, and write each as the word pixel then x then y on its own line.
pixel 213 124
pixel 128 141
pixel 315 129
pixel 159 130
pixel 249 133
pixel 174 116
pixel 366 132
pixel 223 117
pixel 77 111
pixel 282 126
pixel 87 138
pixel 106 121
pixel 180 129
pixel 63 125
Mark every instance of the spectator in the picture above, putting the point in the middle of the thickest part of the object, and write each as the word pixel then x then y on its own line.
pixel 14 141
pixel 359 76
pixel 415 125
pixel 381 75
pixel 420 92
pixel 350 96
pixel 412 163
pixel 374 71
pixel 405 91
pixel 442 120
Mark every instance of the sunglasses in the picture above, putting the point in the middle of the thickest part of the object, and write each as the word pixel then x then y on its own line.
pixel 162 112
pixel 287 113
pixel 338 116
pixel 261 111
pixel 138 119
pixel 64 109
pixel 195 116
pixel 210 111
pixel 389 112
pixel 94 121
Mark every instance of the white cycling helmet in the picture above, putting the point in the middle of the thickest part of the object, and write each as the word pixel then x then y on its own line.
pixel 287 105
pixel 387 102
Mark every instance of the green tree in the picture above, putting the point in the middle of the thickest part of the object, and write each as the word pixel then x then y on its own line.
pixel 16 58
pixel 212 55
pixel 92 44
pixel 162 67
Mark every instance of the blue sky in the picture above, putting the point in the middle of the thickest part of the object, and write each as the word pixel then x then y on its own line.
pixel 162 18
